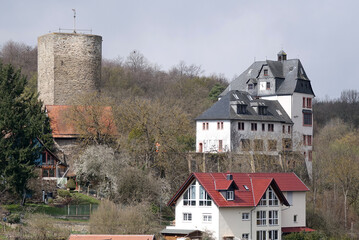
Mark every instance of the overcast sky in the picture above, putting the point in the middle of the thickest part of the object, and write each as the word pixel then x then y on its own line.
pixel 224 37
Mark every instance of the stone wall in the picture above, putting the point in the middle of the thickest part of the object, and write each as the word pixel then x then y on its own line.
pixel 69 65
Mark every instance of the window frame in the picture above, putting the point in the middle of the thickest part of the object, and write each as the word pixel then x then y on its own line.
pixel 274 233
pixel 230 195
pixel 253 126
pixel 272 198
pixel 207 217
pixel 187 217
pixel 188 194
pixel 241 126
pixel 268 86
pixel 204 199
pixel 261 218
pixel 270 127
pixel 273 219
pixel 246 216
pixel 307 119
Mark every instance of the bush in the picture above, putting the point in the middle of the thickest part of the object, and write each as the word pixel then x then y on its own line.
pixel 14 218
pixel 64 193
pixel 71 184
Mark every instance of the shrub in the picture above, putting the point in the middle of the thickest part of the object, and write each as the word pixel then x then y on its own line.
pixel 63 193
pixel 14 218
pixel 71 184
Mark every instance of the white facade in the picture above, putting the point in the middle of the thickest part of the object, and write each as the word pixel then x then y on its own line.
pixel 302 133
pixel 210 134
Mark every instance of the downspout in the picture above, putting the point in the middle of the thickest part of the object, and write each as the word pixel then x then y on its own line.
pixel 251 236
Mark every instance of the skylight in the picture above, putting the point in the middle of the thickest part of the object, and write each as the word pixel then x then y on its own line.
pixel 235 96
pixel 245 187
pixel 279 112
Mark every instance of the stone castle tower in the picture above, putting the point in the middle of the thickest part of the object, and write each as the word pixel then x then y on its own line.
pixel 69 64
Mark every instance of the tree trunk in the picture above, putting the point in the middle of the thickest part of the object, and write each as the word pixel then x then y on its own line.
pixel 345 207
pixel 23 200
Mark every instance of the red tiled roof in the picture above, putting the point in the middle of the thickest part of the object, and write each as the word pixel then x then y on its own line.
pixel 257 184
pixel 223 184
pixel 110 237
pixel 296 229
pixel 63 127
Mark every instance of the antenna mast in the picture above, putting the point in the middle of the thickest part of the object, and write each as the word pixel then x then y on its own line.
pixel 74 10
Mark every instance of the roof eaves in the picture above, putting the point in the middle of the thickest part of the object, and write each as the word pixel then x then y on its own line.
pixel 181 190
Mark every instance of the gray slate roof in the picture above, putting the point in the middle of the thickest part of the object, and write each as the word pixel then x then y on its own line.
pixel 290 72
pixel 222 109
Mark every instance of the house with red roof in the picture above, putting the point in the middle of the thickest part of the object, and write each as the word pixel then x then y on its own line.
pixel 257 206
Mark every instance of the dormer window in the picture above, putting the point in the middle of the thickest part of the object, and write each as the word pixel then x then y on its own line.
pixel 265 72
pixel 230 195
pixel 250 86
pixel 241 109
pixel 262 110
pixel 189 197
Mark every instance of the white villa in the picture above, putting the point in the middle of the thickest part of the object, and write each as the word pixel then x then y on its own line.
pixel 257 206
pixel 267 108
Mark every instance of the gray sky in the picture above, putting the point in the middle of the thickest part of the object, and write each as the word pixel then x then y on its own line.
pixel 224 37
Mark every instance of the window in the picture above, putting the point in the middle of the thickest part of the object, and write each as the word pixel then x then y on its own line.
pixel 200 147
pixel 258 145
pixel 273 217
pixel 263 201
pixel 245 236
pixel 220 145
pixel 273 234
pixel 283 129
pixel 303 102
pixel 272 198
pixel 187 217
pixel 287 144
pixel 268 85
pixel 219 125
pixel 230 195
pixel 289 129
pixel 309 103
pixel 205 126
pixel 250 86
pixel 48 172
pixel 295 218
pixel 246 144
pixel 261 218
pixel 240 125
pixel 263 127
pixel 189 197
pixel 270 127
pixel 310 156
pixel 307 118
pixel 262 110
pixel 245 216
pixel 207 217
pixel 265 72
pixel 272 145
pixel 309 140
pixel 204 198
pixel 261 235
pixel 241 109
pixel 254 126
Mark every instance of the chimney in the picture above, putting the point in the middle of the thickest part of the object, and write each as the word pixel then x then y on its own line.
pixel 282 56
pixel 229 176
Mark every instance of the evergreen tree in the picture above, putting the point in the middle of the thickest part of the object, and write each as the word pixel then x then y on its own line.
pixel 22 120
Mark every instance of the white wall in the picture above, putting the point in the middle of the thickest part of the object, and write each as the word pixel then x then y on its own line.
pixel 209 138
pixel 297 208
pixel 231 223
pixel 197 215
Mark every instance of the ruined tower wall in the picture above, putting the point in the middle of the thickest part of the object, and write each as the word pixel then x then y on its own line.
pixel 69 65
